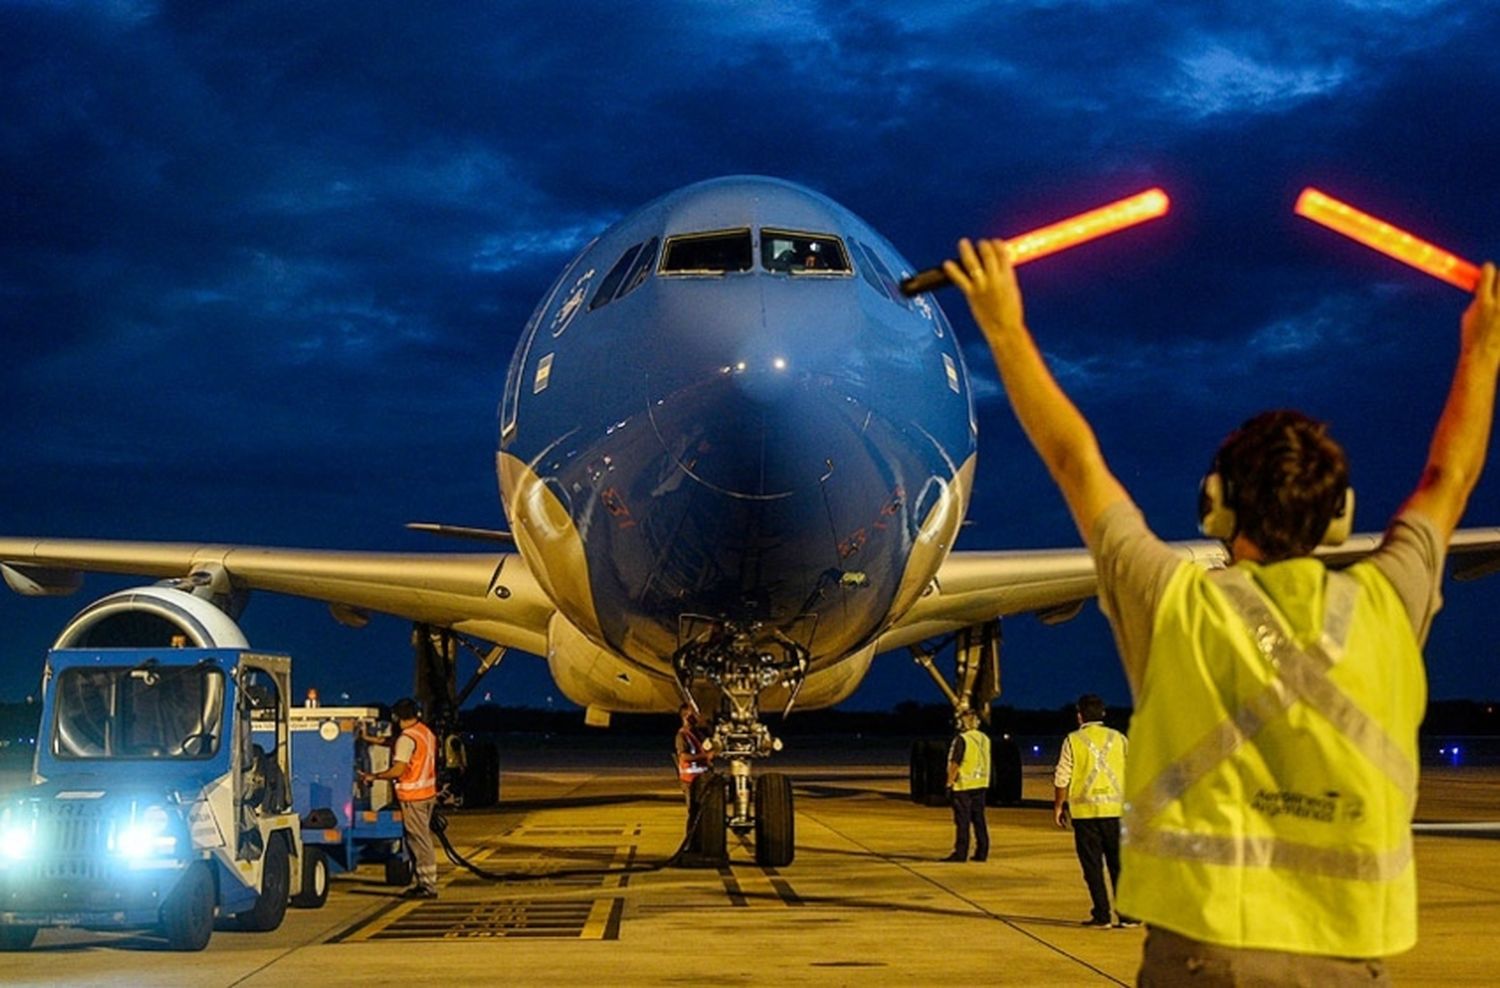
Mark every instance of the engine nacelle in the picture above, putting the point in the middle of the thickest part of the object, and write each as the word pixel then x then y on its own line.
pixel 595 677
pixel 151 617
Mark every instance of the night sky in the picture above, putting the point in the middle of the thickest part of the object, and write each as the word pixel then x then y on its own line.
pixel 262 265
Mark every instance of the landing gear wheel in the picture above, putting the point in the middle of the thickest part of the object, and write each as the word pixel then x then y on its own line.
pixel 1005 773
pixel 275 883
pixel 929 773
pixel 16 937
pixel 775 823
pixel 710 837
pixel 314 879
pixel 187 917
pixel 398 870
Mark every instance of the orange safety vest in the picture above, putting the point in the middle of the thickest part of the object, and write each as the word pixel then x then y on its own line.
pixel 691 764
pixel 419 781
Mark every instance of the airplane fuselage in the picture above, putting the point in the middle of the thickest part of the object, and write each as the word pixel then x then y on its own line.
pixel 724 414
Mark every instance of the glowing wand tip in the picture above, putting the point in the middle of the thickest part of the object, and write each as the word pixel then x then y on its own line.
pixel 1389 240
pixel 1061 235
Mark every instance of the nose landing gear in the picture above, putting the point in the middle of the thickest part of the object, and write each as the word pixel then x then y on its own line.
pixel 743 662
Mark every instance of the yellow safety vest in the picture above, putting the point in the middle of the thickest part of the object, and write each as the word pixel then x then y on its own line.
pixel 1097 787
pixel 974 769
pixel 1273 762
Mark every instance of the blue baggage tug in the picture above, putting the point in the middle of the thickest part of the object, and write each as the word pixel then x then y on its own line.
pixel 160 795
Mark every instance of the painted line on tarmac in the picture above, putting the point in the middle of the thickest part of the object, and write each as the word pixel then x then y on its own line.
pixel 758 886
pixel 977 907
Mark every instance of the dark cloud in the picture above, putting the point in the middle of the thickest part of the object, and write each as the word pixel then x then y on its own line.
pixel 262 265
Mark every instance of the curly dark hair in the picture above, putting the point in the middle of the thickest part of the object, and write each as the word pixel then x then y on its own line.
pixel 1285 478
pixel 1090 707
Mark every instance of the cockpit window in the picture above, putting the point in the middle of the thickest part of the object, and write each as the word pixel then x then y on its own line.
pixel 708 253
pixel 802 253
pixel 641 269
pixel 612 280
pixel 878 275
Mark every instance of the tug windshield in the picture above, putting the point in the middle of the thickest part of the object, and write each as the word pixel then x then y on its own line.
pixel 145 711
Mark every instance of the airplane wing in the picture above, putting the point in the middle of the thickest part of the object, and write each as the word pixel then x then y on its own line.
pixel 495 596
pixel 973 587
pixel 490 595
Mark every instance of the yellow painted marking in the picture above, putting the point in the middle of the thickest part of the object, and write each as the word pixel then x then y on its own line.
pixel 594 926
pixel 619 861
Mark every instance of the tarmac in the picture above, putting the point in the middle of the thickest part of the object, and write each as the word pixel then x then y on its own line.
pixel 580 839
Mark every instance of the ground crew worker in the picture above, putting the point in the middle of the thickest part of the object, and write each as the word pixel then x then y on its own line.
pixel 414 770
pixel 968 779
pixel 1273 768
pixel 1088 788
pixel 693 756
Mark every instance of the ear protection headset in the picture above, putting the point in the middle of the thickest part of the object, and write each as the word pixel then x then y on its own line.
pixel 1217 520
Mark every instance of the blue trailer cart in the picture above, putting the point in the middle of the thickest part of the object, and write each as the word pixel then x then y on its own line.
pixel 344 823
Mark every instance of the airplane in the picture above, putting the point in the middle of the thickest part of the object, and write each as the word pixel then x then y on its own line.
pixel 734 458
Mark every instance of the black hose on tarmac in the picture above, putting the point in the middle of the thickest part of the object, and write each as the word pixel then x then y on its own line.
pixel 678 858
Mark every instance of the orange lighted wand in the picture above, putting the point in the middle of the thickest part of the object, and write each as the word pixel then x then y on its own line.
pixel 1392 241
pixel 1061 235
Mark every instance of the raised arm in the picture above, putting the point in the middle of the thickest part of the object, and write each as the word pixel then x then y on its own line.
pixel 1058 431
pixel 1462 437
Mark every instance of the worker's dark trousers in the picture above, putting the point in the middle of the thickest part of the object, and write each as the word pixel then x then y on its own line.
pixel 1098 842
pixel 968 809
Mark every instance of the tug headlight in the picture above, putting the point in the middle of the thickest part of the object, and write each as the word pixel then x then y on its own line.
pixel 143 834
pixel 17 834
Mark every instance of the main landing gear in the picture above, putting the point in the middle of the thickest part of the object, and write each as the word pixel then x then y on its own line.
pixel 742 662
pixel 976 684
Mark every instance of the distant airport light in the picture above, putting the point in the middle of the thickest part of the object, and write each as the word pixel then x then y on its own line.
pixel 1061 235
pixel 1392 241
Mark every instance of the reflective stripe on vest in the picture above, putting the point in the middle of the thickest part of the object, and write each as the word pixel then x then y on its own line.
pixel 1284 823
pixel 1096 788
pixel 974 769
pixel 419 781
pixel 690 763
pixel 1299 676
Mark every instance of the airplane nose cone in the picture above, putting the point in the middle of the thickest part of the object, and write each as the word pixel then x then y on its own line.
pixel 755 428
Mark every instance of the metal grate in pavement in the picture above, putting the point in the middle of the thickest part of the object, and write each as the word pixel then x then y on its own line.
pixel 576 919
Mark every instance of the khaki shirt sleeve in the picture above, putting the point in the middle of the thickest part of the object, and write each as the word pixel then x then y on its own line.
pixel 1063 773
pixel 1134 567
pixel 1411 558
